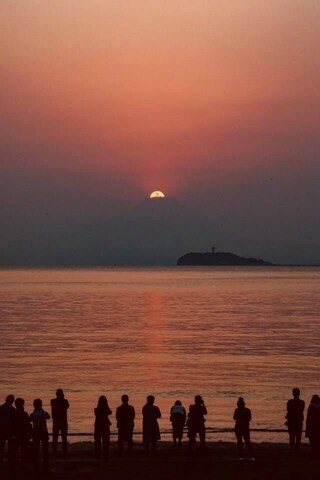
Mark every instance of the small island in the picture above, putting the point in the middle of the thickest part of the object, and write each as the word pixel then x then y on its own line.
pixel 219 258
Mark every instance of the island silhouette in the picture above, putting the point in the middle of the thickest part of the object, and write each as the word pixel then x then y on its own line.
pixel 219 258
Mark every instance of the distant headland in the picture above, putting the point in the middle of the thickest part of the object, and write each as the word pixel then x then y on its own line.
pixel 219 258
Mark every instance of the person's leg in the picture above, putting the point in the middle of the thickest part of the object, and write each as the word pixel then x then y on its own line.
pixel 24 451
pixel 11 450
pixel 64 437
pixel 3 439
pixel 45 451
pixel 105 445
pixel 239 444
pixel 192 434
pixel 55 436
pixel 97 445
pixel 202 436
pixel 146 446
pixel 292 438
pixel 247 440
pixel 120 445
pixel 130 445
pixel 154 447
pixel 298 438
pixel 174 438
pixel 35 451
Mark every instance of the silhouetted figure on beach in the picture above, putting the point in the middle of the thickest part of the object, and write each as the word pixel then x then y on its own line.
pixel 196 422
pixel 151 431
pixel 22 431
pixel 242 417
pixel 7 414
pixel 59 407
pixel 40 434
pixel 294 416
pixel 313 424
pixel 102 428
pixel 125 415
pixel 178 418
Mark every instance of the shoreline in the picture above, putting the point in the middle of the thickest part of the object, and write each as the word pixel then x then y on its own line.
pixel 219 460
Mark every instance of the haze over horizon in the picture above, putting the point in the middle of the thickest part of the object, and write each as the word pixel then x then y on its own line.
pixel 215 103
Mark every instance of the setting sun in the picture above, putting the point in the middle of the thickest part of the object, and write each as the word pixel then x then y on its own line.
pixel 157 194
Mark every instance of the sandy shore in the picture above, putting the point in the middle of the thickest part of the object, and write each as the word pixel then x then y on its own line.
pixel 273 461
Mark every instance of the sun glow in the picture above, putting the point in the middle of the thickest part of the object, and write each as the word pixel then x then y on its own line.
pixel 157 194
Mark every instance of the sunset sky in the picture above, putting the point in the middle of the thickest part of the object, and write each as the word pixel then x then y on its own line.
pixel 216 103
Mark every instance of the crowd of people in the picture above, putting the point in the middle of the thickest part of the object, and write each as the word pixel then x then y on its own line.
pixel 25 433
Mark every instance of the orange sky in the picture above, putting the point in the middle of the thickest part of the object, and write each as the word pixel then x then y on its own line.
pixel 158 88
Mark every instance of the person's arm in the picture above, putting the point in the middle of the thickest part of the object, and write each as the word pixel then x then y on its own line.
pixel 117 414
pixel 158 413
pixel 204 410
pixel 235 415
pixel 249 415
pixel 133 413
pixel 67 404
pixel 46 415
pixel 109 411
pixel 308 423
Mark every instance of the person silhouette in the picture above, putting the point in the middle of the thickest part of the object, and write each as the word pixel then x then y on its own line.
pixel 7 415
pixel 178 419
pixel 22 431
pixel 196 422
pixel 59 407
pixel 294 419
pixel 313 424
pixel 242 417
pixel 40 434
pixel 125 415
pixel 102 428
pixel 151 431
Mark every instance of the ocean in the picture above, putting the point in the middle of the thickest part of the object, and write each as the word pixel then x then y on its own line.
pixel 222 332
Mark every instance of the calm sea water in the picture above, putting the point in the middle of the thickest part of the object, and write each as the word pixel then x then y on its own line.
pixel 174 332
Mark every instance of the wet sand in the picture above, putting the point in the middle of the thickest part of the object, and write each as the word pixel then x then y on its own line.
pixel 273 461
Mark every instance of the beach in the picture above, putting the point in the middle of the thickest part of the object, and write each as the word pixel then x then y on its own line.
pixel 273 461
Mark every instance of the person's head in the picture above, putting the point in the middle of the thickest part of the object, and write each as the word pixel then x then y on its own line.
pixel 315 399
pixel 59 393
pixel 102 402
pixel 37 403
pixel 198 400
pixel 177 402
pixel 296 392
pixel 150 399
pixel 19 403
pixel 10 400
pixel 241 402
pixel 125 399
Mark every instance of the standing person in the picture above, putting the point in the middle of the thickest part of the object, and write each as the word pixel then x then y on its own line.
pixel 102 428
pixel 125 415
pixel 40 433
pixel 242 416
pixel 7 414
pixel 178 418
pixel 59 407
pixel 22 431
pixel 294 416
pixel 150 426
pixel 313 423
pixel 196 422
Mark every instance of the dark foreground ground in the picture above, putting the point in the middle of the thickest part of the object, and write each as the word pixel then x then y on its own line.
pixel 273 461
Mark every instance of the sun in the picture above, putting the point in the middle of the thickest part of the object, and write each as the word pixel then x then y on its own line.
pixel 157 194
